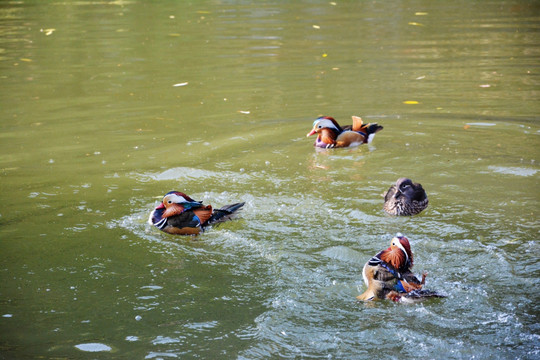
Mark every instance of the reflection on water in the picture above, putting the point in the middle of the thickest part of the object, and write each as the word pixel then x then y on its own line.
pixel 109 105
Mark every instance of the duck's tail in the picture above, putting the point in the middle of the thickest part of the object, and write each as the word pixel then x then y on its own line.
pixel 228 212
pixel 369 129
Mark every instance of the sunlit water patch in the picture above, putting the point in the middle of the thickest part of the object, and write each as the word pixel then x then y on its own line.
pixel 193 174
pixel 93 347
pixel 517 171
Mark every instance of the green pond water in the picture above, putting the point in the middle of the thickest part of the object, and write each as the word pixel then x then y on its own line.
pixel 105 106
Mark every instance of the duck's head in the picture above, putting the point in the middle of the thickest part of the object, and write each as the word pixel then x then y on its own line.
pixel 401 243
pixel 325 122
pixel 175 203
pixel 404 187
pixel 399 254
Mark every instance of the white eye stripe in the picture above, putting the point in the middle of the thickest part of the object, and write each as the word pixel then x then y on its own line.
pixel 325 123
pixel 176 199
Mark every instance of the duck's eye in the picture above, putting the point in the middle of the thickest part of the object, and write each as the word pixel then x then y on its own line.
pixel 320 126
pixel 169 202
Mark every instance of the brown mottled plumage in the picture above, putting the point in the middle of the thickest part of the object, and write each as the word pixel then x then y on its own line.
pixel 405 198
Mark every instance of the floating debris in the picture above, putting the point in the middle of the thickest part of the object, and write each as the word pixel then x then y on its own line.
pixel 181 84
pixel 47 31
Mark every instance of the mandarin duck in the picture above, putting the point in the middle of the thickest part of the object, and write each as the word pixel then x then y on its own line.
pixel 405 198
pixel 331 135
pixel 179 214
pixel 388 275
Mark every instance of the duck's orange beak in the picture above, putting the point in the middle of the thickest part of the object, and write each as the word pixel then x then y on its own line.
pixel 313 131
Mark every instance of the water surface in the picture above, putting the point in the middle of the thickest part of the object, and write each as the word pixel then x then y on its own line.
pixel 106 106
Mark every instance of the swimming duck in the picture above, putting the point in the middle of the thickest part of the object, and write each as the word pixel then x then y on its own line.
pixel 331 135
pixel 405 198
pixel 181 215
pixel 388 275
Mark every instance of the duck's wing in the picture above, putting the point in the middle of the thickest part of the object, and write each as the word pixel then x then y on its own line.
pixel 184 219
pixel 389 194
pixel 227 212
pixel 204 213
pixel 420 295
pixel 350 138
pixel 357 123
pixel 419 193
pixel 379 282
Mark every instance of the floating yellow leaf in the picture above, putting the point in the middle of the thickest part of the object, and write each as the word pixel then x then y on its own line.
pixel 175 35
pixel 411 102
pixel 420 13
pixel 316 27
pixel 324 55
pixel 203 12
pixel 415 24
pixel 25 60
pixel 47 31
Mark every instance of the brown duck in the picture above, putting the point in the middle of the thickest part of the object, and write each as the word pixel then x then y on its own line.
pixel 405 198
